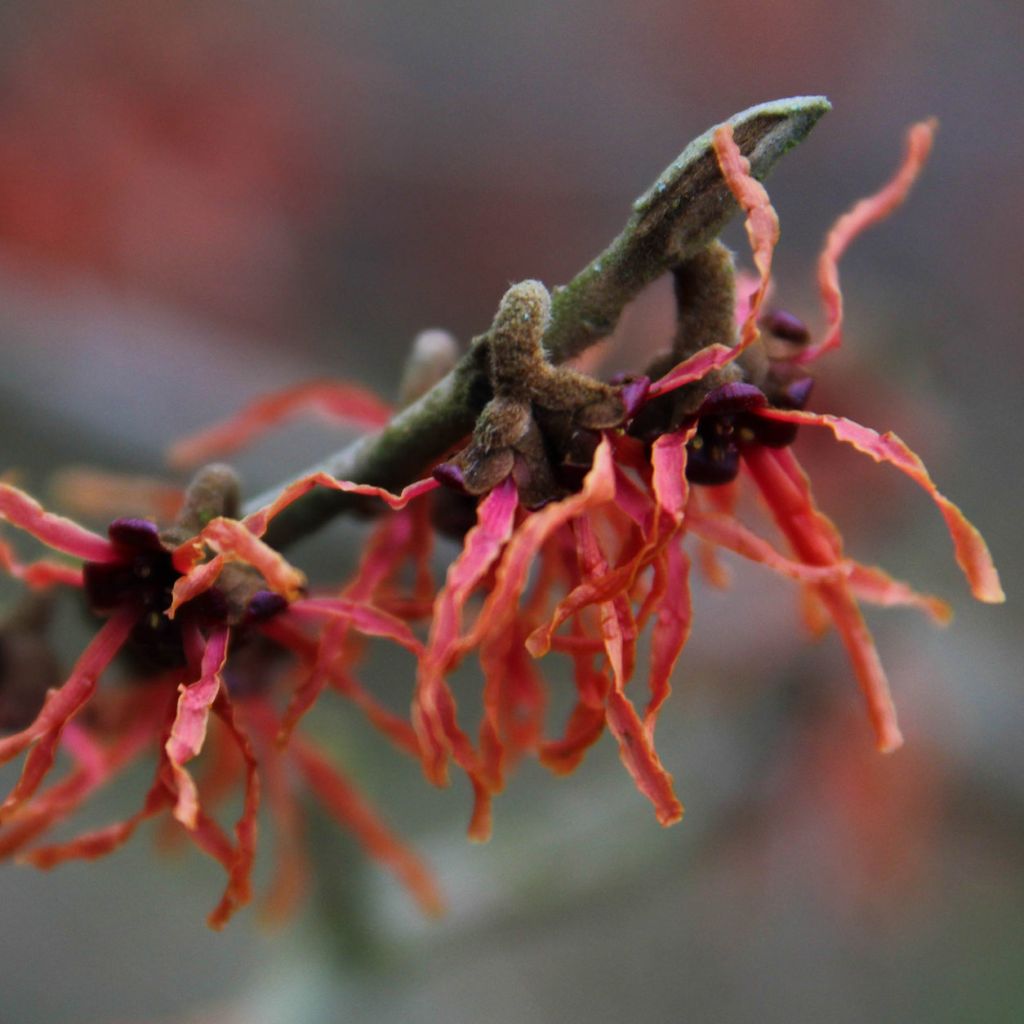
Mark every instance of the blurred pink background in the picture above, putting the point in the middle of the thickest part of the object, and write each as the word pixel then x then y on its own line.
pixel 202 202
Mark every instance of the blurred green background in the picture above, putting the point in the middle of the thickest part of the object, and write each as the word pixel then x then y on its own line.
pixel 200 202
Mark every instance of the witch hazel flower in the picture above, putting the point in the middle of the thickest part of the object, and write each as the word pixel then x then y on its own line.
pixel 724 416
pixel 177 614
pixel 579 506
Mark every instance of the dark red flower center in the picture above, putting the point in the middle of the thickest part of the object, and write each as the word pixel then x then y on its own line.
pixel 143 578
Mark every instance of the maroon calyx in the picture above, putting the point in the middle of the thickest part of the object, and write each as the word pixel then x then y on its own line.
pixel 142 578
pixel 450 475
pixel 728 420
pixel 634 393
pixel 786 327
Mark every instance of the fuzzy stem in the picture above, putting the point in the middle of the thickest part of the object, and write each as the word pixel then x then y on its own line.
pixel 683 211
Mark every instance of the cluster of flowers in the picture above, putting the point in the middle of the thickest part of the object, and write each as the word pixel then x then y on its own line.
pixel 576 545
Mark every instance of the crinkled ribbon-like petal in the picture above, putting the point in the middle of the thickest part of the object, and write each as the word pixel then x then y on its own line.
pixel 635 747
pixel 762 223
pixel 875 585
pixel 342 800
pixel 865 213
pixel 60 706
pixel 40 574
pixel 433 704
pixel 232 539
pixel 288 881
pixel 188 730
pixel 671 630
pixel 194 582
pixel 815 540
pixel 258 521
pixel 972 553
pixel 586 721
pixel 93 768
pixel 55 531
pixel 102 841
pixel 763 231
pixel 335 399
pixel 366 618
pixel 285 631
pixel 727 532
pixel 867 582
pixel 239 887
pixel 513 571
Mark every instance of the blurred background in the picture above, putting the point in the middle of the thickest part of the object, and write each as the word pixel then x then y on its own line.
pixel 200 202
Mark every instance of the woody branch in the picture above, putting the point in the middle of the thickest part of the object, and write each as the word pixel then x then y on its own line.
pixel 676 218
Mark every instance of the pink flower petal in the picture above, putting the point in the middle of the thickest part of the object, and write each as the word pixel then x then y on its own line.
pixel 188 731
pixel 865 213
pixel 815 540
pixel 60 706
pixel 94 766
pixel 668 474
pixel 364 617
pixel 872 584
pixel 729 533
pixel 762 223
pixel 257 522
pixel 55 531
pixel 102 841
pixel 236 542
pixel 323 657
pixel 196 581
pixel 41 574
pixel 334 399
pixel 433 704
pixel 671 630
pixel 344 803
pixel 635 747
pixel 288 882
pixel 599 488
pixel 239 887
pixel 762 226
pixel 972 553
pixel 697 367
